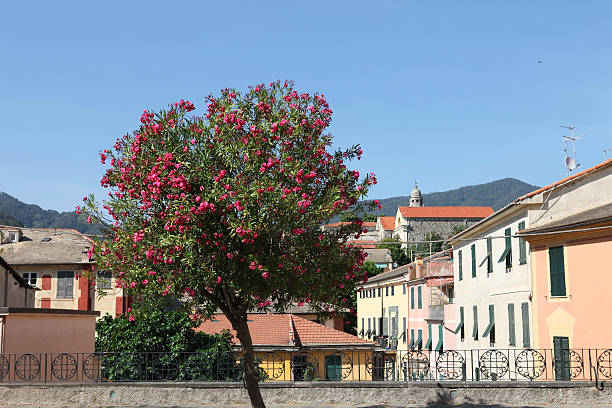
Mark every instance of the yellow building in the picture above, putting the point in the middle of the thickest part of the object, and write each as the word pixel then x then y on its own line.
pixel 291 348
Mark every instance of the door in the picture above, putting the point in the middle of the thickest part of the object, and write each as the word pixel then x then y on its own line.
pixel 562 358
pixel 333 367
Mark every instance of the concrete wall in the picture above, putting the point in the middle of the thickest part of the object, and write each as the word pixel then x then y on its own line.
pixel 48 333
pixel 537 394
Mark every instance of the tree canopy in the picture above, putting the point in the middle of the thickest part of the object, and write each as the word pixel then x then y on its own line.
pixel 223 211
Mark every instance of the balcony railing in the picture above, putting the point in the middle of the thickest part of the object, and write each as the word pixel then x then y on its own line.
pixel 304 365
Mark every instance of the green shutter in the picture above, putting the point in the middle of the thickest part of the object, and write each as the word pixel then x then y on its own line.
pixel 507 254
pixel 439 346
pixel 412 297
pixel 525 313
pixel 460 265
pixel 511 329
pixel 489 255
pixel 491 321
pixel 404 328
pixel 333 367
pixel 411 344
pixel 428 344
pixel 473 260
pixel 419 341
pixel 419 298
pixel 561 358
pixel 475 330
pixel 522 245
pixel 460 325
pixel 557 271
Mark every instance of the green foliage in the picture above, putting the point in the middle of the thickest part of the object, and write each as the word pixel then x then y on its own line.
pixel 164 345
pixel 157 331
pixel 30 215
pixel 398 254
pixel 424 249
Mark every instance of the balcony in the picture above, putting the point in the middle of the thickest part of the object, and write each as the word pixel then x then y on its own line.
pixel 436 312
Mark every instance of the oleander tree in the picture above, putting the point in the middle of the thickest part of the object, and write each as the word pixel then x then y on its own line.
pixel 223 211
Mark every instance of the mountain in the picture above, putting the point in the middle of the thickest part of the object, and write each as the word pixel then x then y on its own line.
pixel 495 194
pixel 13 211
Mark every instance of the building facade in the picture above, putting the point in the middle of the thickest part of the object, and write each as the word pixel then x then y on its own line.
pixel 56 261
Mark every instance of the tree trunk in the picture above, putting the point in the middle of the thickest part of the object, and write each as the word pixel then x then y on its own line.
pixel 248 360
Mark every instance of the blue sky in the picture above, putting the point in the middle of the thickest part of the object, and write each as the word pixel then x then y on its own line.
pixel 447 93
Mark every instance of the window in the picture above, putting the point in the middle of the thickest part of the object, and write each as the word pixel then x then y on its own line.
pixel 460 265
pixel 411 344
pixel 473 248
pixel 557 271
pixel 380 327
pixel 30 278
pixel 104 280
pixel 302 368
pixel 511 328
pixel 419 297
pixel 392 290
pixel 440 345
pixel 429 339
pixel 419 340
pixel 64 284
pixel 525 313
pixel 490 330
pixel 506 256
pixel 562 358
pixel 404 289
pixel 333 367
pixel 379 292
pixel 487 258
pixel 369 332
pixel 12 237
pixel 460 327
pixel 522 246
pixel 404 328
pixel 386 291
pixel 412 297
pixel 475 329
pixel 362 326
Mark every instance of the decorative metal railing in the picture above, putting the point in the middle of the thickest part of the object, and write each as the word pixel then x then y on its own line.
pixel 362 365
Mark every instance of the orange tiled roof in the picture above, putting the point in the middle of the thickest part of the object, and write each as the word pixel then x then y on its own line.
pixel 369 224
pixel 445 212
pixel 365 244
pixel 565 180
pixel 388 223
pixel 284 330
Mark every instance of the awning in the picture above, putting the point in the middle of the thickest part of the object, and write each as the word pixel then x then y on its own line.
pixel 504 254
pixel 419 341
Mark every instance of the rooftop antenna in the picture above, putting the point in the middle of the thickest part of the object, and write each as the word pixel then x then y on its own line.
pixel 570 162
pixel 606 153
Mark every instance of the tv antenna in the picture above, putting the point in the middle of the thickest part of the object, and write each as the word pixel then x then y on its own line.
pixel 570 162
pixel 606 153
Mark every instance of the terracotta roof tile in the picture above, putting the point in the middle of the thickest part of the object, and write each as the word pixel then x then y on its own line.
pixel 284 330
pixel 445 212
pixel 363 244
pixel 388 223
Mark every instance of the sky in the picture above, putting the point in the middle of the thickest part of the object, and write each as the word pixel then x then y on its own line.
pixel 446 93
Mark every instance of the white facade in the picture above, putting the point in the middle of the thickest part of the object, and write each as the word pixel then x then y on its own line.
pixel 494 285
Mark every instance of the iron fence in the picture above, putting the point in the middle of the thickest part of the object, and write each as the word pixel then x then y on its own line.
pixel 313 365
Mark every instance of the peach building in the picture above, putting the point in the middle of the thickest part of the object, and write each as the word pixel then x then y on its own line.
pixel 570 261
pixel 53 261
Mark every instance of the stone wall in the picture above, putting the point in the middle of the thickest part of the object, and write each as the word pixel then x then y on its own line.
pixel 319 394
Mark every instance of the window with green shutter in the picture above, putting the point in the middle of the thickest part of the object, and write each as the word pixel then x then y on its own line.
pixel 522 245
pixel 460 326
pixel 333 367
pixel 562 358
pixel 440 345
pixel 506 256
pixel 412 297
pixel 429 339
pixel 525 313
pixel 511 328
pixel 460 265
pixel 419 297
pixel 475 330
pixel 557 271
pixel 473 248
pixel 488 258
pixel 404 328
